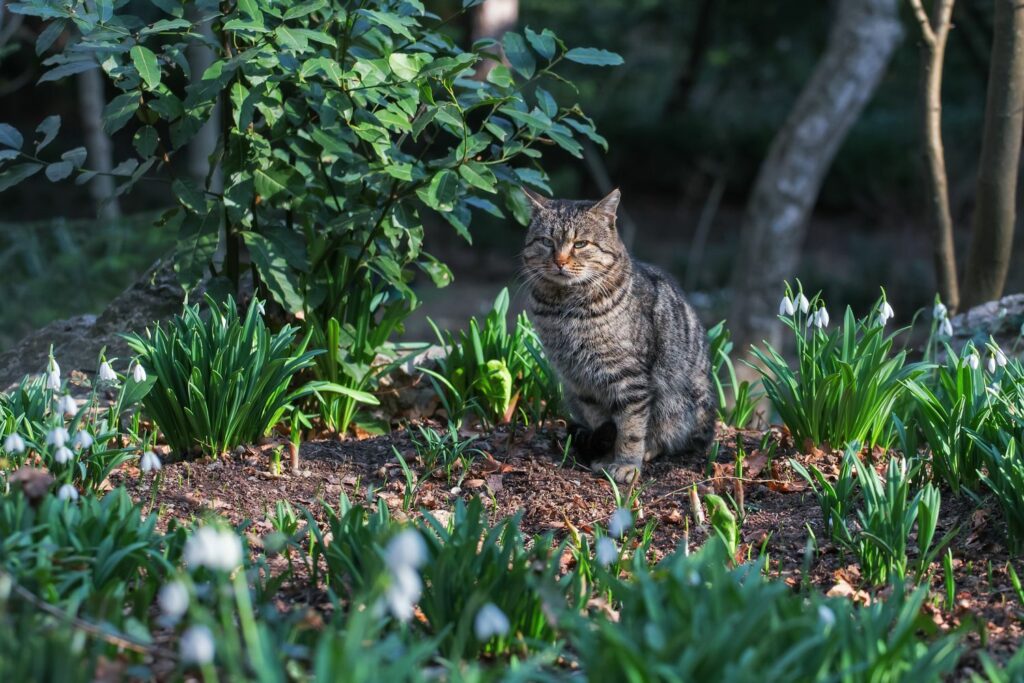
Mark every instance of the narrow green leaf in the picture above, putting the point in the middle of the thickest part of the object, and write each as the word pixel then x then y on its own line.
pixel 593 56
pixel 145 61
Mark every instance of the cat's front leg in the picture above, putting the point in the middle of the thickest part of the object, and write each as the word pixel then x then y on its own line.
pixel 631 422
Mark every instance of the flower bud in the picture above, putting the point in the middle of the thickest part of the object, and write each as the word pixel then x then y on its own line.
pixel 106 373
pixel 67 492
pixel 139 373
pixel 14 443
pixel 786 306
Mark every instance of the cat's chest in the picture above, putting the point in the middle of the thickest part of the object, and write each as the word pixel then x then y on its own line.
pixel 578 345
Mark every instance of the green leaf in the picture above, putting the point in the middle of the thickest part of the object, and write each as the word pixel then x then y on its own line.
pixel 145 61
pixel 394 22
pixel 304 8
pixel 49 128
pixel 593 56
pixel 500 76
pixel 290 39
pixel 59 170
pixel 15 174
pixel 190 196
pixel 76 156
pixel 518 54
pixel 197 243
pixel 478 175
pixel 145 140
pixel 119 110
pixel 274 268
pixel 407 66
pixel 49 35
pixel 105 10
pixel 175 8
pixel 68 69
pixel 442 191
pixel 267 185
pixel 543 42
pixel 167 26
pixel 8 154
pixel 10 137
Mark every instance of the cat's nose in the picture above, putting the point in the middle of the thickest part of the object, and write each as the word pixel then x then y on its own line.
pixel 561 260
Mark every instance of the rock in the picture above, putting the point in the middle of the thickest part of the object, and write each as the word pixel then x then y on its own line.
pixel 1001 319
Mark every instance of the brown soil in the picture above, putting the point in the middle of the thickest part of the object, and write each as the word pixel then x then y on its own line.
pixel 524 471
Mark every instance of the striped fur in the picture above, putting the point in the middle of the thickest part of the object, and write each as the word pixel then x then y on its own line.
pixel 628 347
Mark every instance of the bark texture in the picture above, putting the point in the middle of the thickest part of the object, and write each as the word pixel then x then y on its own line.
pixel 863 37
pixel 91 100
pixel 995 212
pixel 491 20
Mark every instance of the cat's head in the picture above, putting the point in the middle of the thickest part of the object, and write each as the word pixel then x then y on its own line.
pixel 572 242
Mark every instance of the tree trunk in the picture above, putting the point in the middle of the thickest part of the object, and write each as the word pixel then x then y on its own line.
pixel 934 34
pixel 995 211
pixel 863 37
pixel 91 101
pixel 200 57
pixel 491 20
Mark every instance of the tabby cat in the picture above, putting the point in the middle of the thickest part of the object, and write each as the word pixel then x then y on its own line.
pixel 631 353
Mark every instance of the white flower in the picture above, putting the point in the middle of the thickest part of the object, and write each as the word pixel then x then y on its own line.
pixel 607 551
pixel 53 380
pixel 991 365
pixel 82 440
pixel 149 462
pixel 802 303
pixel 196 645
pixel 261 308
pixel 63 455
pixel 58 436
pixel 974 360
pixel 106 373
pixel 173 600
pixel 406 549
pixel 786 306
pixel 403 592
pixel 946 328
pixel 67 406
pixel 620 522
pixel 490 621
pixel 1000 358
pixel 939 310
pixel 53 366
pixel 819 318
pixel 67 492
pixel 885 313
pixel 138 373
pixel 826 615
pixel 213 548
pixel 14 443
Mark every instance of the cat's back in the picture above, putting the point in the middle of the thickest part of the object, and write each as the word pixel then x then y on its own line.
pixel 660 300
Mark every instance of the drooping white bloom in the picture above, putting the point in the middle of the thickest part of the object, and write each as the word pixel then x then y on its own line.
pixel 82 440
pixel 53 380
pixel 63 455
pixel 406 549
pixel 991 364
pixel 58 436
pixel 1000 358
pixel 606 551
pixel 106 373
pixel 213 548
pixel 823 318
pixel 974 360
pixel 403 555
pixel 802 303
pixel 67 406
pixel 53 366
pixel 196 645
pixel 490 621
pixel 138 372
pixel 946 328
pixel 173 600
pixel 826 616
pixel 621 521
pixel 67 492
pixel 786 306
pixel 939 310
pixel 885 313
pixel 14 443
pixel 149 462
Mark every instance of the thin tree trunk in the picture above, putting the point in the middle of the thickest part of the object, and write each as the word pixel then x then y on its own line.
pixel 863 37
pixel 491 20
pixel 995 211
pixel 90 102
pixel 200 57
pixel 934 34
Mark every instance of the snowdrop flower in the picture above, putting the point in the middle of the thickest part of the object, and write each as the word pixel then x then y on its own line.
pixel 67 406
pixel 138 373
pixel 196 645
pixel 1000 358
pixel 406 549
pixel 106 373
pixel 403 555
pixel 939 310
pixel 82 440
pixel 607 551
pixel 173 600
pixel 974 360
pixel 885 313
pixel 149 462
pixel 58 436
pixel 826 615
pixel 14 443
pixel 802 303
pixel 819 319
pixel 620 522
pixel 991 365
pixel 53 380
pixel 67 492
pixel 63 455
pixel 786 306
pixel 213 548
pixel 946 328
pixel 490 621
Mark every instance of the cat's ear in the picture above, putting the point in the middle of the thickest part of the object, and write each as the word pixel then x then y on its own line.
pixel 609 205
pixel 538 202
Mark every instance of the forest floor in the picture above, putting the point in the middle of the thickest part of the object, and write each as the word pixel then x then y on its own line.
pixel 525 472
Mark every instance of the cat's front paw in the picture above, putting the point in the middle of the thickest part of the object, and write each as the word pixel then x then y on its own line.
pixel 623 472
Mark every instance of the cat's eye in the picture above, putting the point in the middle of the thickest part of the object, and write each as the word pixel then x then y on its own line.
pixel 579 244
pixel 547 241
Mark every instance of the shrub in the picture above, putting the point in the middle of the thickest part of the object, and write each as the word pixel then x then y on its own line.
pixel 222 381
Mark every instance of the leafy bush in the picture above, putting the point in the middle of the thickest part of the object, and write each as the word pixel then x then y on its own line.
pixel 1004 477
pixel 496 374
pixel 845 384
pixel 737 400
pixel 692 619
pixel 222 381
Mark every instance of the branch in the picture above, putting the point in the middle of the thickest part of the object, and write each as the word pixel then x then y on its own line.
pixel 922 19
